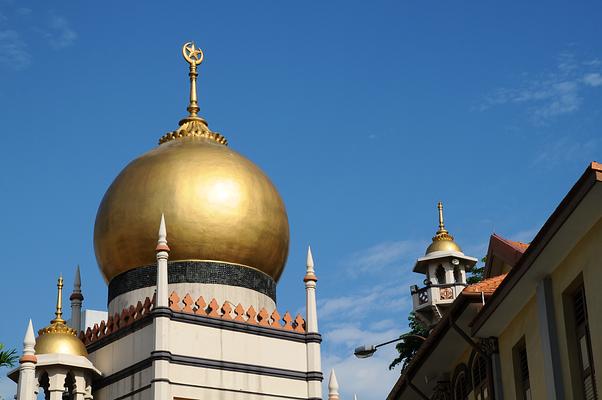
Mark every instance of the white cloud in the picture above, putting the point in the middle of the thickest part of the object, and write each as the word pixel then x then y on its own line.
pixel 382 255
pixel 550 94
pixel 13 50
pixel 566 149
pixel 352 336
pixel 369 378
pixel 59 34
pixel 593 79
pixel 525 236
pixel 23 11
pixel 384 298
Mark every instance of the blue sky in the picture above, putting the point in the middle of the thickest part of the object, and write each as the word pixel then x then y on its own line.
pixel 364 114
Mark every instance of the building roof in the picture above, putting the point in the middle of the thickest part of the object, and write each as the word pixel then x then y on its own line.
pixel 562 213
pixel 475 292
pixel 502 250
pixel 496 288
pixel 487 286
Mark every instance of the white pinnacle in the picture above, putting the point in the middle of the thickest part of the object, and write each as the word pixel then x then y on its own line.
pixel 162 231
pixel 77 281
pixel 310 261
pixel 29 341
pixel 333 384
pixel 355 397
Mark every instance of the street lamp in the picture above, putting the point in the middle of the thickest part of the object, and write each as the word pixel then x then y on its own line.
pixel 368 350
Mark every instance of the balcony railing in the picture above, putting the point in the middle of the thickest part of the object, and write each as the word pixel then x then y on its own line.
pixel 436 294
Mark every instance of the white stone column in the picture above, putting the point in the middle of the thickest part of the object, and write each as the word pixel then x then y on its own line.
pixel 449 273
pixel 314 388
pixel 77 299
pixel 162 249
pixel 26 388
pixel 160 385
pixel 80 386
pixel 310 280
pixel 333 386
pixel 56 377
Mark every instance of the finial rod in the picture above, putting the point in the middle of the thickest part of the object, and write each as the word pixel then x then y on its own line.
pixel 441 224
pixel 194 57
pixel 59 302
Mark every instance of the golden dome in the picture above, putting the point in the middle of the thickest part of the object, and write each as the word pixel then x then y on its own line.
pixel 58 337
pixel 443 245
pixel 218 205
pixel 442 241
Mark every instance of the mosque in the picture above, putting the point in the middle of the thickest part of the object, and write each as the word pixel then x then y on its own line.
pixel 191 238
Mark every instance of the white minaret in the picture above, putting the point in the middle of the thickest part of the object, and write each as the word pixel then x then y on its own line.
pixel 313 348
pixel 162 249
pixel 76 299
pixel 333 386
pixel 27 385
pixel 160 382
pixel 310 280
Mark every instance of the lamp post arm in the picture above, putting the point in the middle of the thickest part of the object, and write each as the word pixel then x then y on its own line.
pixel 400 338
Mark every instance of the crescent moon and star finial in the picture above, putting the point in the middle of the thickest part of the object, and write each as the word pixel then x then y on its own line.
pixel 194 57
pixel 193 125
pixel 192 54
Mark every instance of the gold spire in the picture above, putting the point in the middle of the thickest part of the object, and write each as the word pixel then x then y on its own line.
pixel 193 125
pixel 59 302
pixel 58 337
pixel 441 224
pixel 442 241
pixel 194 57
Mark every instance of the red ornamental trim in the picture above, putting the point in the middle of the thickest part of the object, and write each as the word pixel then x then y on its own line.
pixel 28 358
pixel 162 247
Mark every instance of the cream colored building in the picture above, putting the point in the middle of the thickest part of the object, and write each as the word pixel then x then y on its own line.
pixel 191 238
pixel 532 328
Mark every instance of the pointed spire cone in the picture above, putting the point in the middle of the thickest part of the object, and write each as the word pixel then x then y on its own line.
pixel 310 259
pixel 77 281
pixel 162 229
pixel 310 274
pixel 162 242
pixel 333 384
pixel 30 339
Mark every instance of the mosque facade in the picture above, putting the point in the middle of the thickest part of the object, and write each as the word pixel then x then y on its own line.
pixel 191 239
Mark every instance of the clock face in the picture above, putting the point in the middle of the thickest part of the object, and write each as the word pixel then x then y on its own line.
pixel 455 261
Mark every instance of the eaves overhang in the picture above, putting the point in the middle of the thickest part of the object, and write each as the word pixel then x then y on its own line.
pixel 444 344
pixel 423 262
pixel 576 214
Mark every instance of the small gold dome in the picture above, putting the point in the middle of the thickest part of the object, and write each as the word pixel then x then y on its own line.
pixel 218 206
pixel 59 338
pixel 443 245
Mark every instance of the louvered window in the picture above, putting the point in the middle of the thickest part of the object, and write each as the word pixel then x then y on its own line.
pixel 461 387
pixel 479 378
pixel 521 371
pixel 584 344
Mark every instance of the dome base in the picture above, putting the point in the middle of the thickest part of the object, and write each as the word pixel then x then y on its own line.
pixel 201 272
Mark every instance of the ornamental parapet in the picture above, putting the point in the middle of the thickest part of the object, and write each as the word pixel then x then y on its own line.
pixel 237 313
pixel 187 305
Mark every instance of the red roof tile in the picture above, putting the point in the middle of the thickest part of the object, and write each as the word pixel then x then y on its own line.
pixel 518 246
pixel 486 286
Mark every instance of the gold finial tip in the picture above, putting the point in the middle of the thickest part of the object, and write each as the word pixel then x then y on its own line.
pixel 191 54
